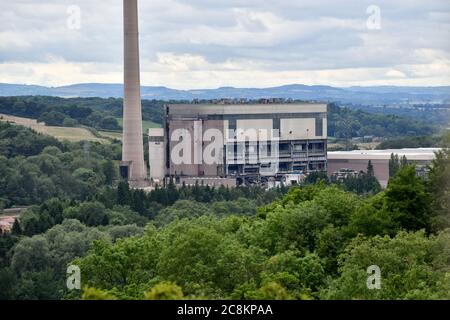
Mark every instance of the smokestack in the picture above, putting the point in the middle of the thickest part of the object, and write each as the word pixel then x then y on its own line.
pixel 132 166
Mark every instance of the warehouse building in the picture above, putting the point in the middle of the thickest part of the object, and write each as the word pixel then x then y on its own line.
pixel 349 162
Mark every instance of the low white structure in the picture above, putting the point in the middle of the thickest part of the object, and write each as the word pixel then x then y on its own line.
pixel 358 159
pixel 291 179
pixel 156 153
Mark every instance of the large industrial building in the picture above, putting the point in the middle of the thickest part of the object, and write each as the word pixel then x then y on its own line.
pixel 234 144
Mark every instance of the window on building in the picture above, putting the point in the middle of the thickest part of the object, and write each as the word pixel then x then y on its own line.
pixel 319 127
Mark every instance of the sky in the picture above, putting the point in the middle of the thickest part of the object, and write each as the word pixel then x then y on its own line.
pixel 191 44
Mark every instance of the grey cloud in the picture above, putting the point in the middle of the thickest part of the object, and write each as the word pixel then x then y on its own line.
pixel 268 35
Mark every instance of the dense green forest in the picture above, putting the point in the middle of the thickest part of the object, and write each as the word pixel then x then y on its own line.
pixel 347 123
pixel 102 113
pixel 35 167
pixel 430 141
pixel 438 114
pixel 312 241
pixel 93 112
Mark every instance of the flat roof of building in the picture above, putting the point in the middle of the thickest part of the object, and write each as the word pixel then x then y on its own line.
pixel 222 109
pixel 420 154
pixel 156 132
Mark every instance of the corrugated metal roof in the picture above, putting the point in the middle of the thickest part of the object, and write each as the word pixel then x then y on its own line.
pixel 423 154
pixel 303 107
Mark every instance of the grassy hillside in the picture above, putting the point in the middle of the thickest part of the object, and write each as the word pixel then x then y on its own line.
pixel 146 124
pixel 62 133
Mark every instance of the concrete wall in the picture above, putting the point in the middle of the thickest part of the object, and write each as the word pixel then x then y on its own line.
pixel 253 129
pixel 325 128
pixel 188 167
pixel 212 169
pixel 156 153
pixel 195 131
pixel 295 129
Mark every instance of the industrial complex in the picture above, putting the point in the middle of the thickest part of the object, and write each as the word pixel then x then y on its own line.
pixel 231 143
pixel 263 144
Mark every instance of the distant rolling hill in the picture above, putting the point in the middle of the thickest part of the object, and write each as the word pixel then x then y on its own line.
pixel 358 95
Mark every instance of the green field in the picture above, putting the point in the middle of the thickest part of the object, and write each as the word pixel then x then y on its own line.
pixel 60 133
pixel 146 124
pixel 74 133
pixel 111 134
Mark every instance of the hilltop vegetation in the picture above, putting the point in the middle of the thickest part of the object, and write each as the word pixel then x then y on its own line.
pixel 411 142
pixel 93 112
pixel 103 113
pixel 348 123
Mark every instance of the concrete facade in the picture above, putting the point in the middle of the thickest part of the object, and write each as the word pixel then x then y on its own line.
pixel 156 152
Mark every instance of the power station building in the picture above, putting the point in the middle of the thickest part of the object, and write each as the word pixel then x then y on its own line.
pixel 234 144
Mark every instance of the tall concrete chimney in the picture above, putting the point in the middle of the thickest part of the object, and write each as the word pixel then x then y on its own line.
pixel 132 166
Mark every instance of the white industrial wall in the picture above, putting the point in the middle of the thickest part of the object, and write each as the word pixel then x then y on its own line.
pixel 156 153
pixel 262 129
pixel 325 129
pixel 297 128
pixel 157 159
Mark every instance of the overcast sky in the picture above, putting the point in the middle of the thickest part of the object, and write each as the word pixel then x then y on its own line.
pixel 187 44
